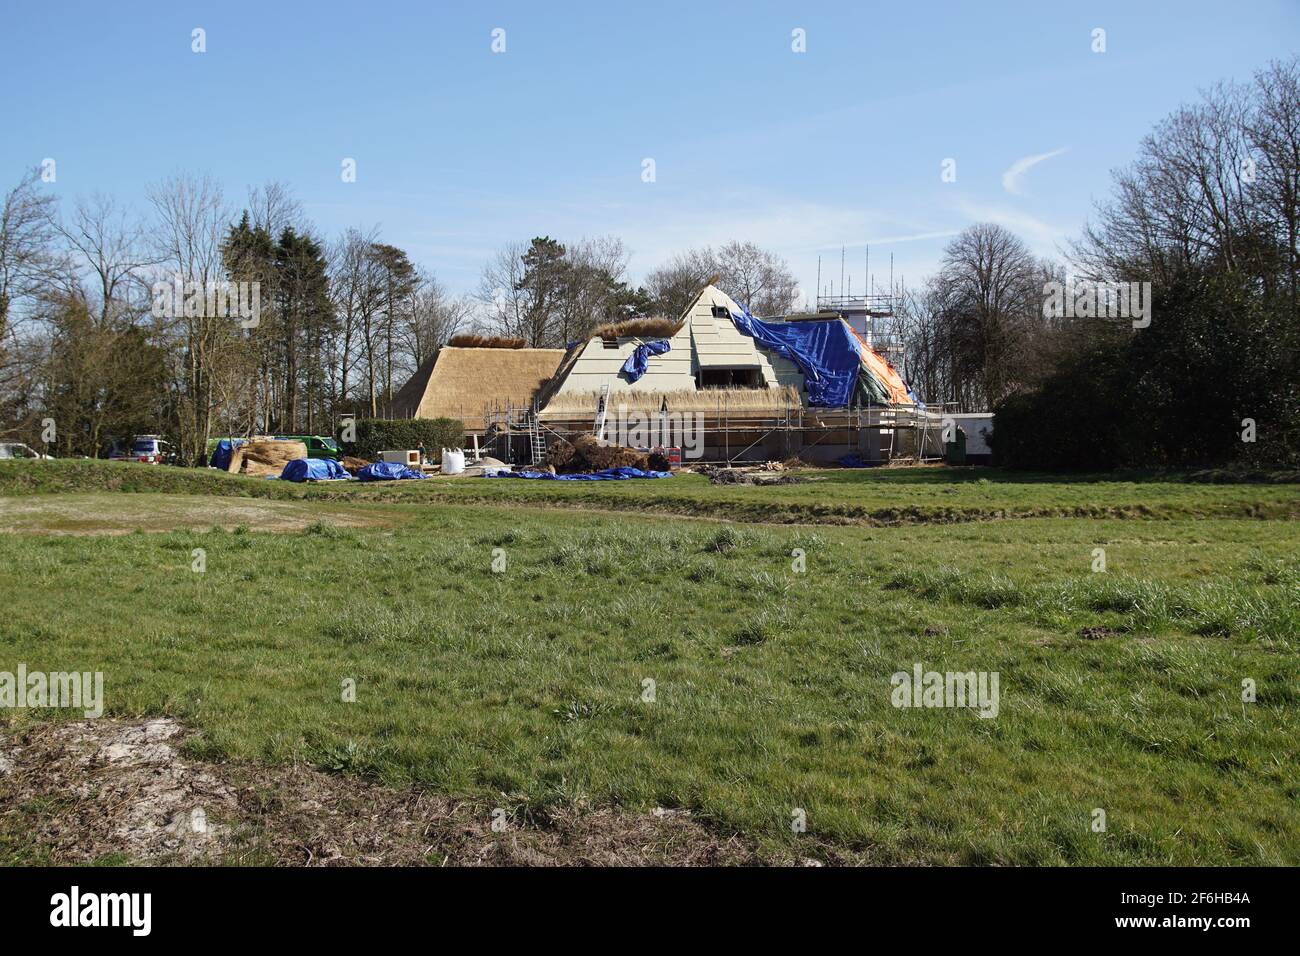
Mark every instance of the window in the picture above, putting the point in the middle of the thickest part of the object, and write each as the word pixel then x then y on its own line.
pixel 720 312
pixel 729 378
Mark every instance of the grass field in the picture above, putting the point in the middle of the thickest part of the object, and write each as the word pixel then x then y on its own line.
pixel 525 689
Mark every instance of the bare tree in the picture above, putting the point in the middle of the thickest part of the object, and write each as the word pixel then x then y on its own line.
pixel 674 285
pixel 506 303
pixel 980 312
pixel 595 270
pixel 26 238
pixel 1273 131
pixel 1214 185
pixel 107 243
pixel 757 279
pixel 434 318
pixel 191 219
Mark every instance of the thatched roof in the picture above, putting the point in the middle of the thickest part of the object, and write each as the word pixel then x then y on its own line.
pixel 466 383
pixel 733 400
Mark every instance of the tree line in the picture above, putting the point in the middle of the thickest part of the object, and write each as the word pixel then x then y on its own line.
pixel 1207 215
pixel 340 324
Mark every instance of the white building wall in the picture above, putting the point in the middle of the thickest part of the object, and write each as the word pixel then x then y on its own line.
pixel 703 341
pixel 977 426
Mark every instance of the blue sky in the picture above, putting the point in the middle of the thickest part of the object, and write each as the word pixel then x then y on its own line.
pixel 460 150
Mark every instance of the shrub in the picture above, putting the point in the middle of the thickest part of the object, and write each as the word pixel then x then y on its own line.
pixel 378 434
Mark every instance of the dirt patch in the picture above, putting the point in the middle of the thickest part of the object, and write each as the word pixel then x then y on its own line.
pixel 90 789
pixel 771 473
pixel 1097 633
pixel 121 788
pixel 124 513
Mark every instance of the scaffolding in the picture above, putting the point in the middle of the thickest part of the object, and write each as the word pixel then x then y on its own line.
pixel 876 434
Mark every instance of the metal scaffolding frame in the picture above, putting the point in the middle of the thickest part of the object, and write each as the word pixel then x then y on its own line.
pixel 512 431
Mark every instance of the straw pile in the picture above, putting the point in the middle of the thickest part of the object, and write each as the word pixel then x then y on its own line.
pixel 732 400
pixel 658 328
pixel 265 456
pixel 587 454
pixel 471 341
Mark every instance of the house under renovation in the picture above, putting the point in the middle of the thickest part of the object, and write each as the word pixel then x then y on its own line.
pixel 726 386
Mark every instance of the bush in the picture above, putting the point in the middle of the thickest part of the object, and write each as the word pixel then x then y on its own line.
pixel 379 434
pixel 1075 422
pixel 1177 394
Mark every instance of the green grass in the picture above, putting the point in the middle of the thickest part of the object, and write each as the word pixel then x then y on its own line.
pixel 524 689
pixel 841 496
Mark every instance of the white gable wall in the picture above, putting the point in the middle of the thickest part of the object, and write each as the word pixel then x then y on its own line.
pixel 702 341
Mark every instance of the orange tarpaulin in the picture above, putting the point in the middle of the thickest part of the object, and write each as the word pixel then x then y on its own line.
pixel 883 372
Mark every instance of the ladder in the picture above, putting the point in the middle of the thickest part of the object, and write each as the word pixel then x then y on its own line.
pixel 536 439
pixel 602 410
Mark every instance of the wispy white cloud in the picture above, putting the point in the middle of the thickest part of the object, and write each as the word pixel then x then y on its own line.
pixel 1011 178
pixel 1042 237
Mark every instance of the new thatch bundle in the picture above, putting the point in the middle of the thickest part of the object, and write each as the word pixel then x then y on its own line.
pixel 470 341
pixel 265 456
pixel 657 328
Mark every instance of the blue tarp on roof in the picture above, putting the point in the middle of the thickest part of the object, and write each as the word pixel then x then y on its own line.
pixel 313 469
pixel 609 474
pixel 825 351
pixel 636 363
pixel 387 471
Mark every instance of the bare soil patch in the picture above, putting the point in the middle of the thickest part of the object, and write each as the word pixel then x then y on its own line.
pixel 92 789
pixel 124 513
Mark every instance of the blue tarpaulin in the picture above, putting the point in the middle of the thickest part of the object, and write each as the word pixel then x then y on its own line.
pixel 221 454
pixel 313 469
pixel 609 474
pixel 826 352
pixel 387 471
pixel 636 363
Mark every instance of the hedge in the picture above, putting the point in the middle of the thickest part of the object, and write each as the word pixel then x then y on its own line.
pixel 379 434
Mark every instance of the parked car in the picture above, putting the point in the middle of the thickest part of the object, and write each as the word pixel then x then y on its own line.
pixel 318 446
pixel 16 450
pixel 146 449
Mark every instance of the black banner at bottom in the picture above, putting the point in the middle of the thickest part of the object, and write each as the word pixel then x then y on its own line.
pixel 337 905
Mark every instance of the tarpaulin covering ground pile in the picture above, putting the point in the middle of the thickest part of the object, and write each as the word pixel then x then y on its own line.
pixel 608 474
pixel 387 471
pixel 221 454
pixel 313 469
pixel 837 365
pixel 636 363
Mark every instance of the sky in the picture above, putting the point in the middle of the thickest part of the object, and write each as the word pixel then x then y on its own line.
pixel 460 149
